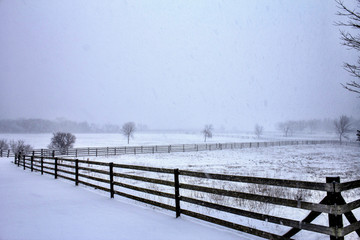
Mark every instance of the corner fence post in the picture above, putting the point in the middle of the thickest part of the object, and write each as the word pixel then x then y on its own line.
pixel 335 220
pixel 56 165
pixel 111 173
pixel 32 163
pixel 77 172
pixel 177 193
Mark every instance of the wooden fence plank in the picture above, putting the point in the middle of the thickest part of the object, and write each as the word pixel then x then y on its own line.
pixel 235 226
pixel 263 181
pixel 262 198
pixel 145 179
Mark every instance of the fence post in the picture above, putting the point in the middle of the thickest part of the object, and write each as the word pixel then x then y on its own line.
pixel 42 165
pixel 96 152
pixel 1 152
pixel 53 153
pixel 75 152
pixel 24 161
pixel 335 220
pixel 177 192
pixel 169 148
pixel 76 172
pixel 56 168
pixel 111 173
pixel 14 158
pixel 32 163
pixel 19 158
pixel 134 150
pixel 8 153
pixel 153 150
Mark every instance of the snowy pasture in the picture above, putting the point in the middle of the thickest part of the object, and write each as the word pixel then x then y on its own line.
pixel 301 162
pixel 296 162
pixel 38 141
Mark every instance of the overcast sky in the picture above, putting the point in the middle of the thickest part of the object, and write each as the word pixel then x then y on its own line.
pixel 173 64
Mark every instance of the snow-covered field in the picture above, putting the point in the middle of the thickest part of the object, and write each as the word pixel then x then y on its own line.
pixel 35 207
pixel 159 138
pixel 303 162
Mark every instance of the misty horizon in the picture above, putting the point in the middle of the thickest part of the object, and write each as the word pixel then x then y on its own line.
pixel 174 65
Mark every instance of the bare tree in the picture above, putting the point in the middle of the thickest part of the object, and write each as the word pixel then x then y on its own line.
pixel 351 41
pixel 207 131
pixel 258 130
pixel 285 127
pixel 62 141
pixel 4 144
pixel 342 127
pixel 20 146
pixel 128 130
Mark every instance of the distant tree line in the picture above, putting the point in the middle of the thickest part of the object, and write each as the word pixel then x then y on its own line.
pixel 58 125
pixel 314 126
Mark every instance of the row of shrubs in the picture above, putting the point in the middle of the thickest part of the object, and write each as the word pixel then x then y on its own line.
pixel 60 140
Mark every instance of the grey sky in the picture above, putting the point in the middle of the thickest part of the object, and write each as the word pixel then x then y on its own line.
pixel 173 64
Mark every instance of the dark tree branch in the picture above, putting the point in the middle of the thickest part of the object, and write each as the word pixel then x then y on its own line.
pixel 351 41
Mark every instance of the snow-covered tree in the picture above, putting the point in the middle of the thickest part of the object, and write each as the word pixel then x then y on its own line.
pixel 20 146
pixel 4 144
pixel 258 130
pixel 62 141
pixel 128 130
pixel 207 131
pixel 342 127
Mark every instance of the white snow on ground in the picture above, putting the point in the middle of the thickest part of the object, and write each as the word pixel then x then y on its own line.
pixel 159 138
pixel 59 207
pixel 295 162
pixel 38 207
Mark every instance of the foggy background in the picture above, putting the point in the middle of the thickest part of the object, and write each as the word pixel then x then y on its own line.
pixel 173 64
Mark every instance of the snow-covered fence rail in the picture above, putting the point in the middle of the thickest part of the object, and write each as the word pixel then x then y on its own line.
pixel 218 198
pixel 112 151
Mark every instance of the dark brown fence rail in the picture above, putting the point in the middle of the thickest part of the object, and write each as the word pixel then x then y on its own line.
pixel 112 151
pixel 175 191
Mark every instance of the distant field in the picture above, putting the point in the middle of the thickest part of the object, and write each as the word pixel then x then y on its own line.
pixel 160 138
pixel 305 162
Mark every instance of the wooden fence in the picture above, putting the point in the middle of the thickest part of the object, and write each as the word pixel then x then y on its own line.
pixel 182 196
pixel 112 151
